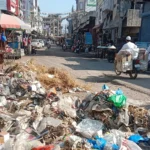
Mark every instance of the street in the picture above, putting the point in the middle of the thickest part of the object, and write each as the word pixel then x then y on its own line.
pixel 95 72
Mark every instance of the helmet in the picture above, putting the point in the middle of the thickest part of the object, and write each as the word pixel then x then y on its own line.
pixel 128 38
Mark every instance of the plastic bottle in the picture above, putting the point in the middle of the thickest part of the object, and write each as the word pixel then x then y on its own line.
pixel 119 92
pixel 105 87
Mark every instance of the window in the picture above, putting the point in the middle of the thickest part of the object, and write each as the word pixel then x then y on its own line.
pixel 81 5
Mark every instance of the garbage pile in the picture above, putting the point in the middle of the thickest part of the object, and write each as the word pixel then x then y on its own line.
pixel 37 115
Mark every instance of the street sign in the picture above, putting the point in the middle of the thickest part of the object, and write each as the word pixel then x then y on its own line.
pixel 88 38
pixel 91 3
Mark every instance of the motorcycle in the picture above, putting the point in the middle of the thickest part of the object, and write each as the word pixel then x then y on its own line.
pixel 64 47
pixel 49 46
pixel 127 66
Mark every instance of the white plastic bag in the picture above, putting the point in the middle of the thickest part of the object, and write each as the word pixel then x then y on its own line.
pixel 129 145
pixel 65 104
pixel 89 127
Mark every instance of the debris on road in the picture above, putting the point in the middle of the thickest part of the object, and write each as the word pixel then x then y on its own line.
pixel 37 115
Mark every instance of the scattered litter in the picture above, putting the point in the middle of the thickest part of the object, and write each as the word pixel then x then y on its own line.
pixel 36 113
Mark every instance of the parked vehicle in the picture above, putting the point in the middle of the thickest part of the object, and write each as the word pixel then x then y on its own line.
pixel 48 46
pixel 64 47
pixel 42 42
pixel 36 43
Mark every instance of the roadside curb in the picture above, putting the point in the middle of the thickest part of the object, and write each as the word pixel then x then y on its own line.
pixel 132 86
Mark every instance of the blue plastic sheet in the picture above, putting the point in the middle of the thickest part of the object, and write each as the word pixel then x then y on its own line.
pixel 99 143
pixel 136 138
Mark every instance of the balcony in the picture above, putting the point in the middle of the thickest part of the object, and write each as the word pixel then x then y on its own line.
pixel 133 18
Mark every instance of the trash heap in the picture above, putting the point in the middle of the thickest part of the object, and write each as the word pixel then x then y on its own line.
pixel 37 115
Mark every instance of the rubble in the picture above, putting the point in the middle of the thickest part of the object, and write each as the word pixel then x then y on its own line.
pixel 36 114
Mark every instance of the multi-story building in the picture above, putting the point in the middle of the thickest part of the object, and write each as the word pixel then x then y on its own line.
pixel 27 10
pixel 144 34
pixel 20 13
pixel 52 24
pixel 85 13
pixel 117 19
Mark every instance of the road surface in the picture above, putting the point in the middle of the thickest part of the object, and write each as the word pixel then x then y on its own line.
pixel 96 72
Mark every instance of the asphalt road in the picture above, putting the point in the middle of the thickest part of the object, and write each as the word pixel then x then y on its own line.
pixel 95 71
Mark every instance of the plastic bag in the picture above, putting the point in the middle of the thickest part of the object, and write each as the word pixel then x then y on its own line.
pixel 99 143
pixel 114 137
pixel 48 121
pixel 129 145
pixel 65 104
pixel 119 92
pixel 89 127
pixel 136 138
pixel 118 100
pixel 3 101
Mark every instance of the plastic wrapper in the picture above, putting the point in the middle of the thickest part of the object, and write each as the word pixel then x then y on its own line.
pixel 65 104
pixel 4 89
pixel 89 127
pixel 48 121
pixel 115 137
pixel 129 145
pixel 3 101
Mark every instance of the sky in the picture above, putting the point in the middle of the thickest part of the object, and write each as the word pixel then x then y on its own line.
pixel 56 6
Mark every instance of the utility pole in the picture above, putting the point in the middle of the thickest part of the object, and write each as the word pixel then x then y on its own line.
pixel 65 31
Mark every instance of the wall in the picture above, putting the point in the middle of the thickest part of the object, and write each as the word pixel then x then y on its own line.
pixel 144 33
pixel 78 5
pixel 26 12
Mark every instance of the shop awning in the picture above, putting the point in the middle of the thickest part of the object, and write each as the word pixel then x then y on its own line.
pixel 23 25
pixel 8 21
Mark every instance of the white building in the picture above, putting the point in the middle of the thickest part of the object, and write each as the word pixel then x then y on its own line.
pixel 27 11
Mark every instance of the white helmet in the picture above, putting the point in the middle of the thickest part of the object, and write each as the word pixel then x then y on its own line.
pixel 128 38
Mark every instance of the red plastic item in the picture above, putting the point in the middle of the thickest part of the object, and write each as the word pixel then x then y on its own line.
pixel 48 147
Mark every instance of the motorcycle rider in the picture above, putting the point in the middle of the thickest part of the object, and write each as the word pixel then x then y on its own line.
pixel 129 48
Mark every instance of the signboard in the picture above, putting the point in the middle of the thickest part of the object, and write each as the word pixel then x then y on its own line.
pixel 3 5
pixel 91 3
pixel 88 38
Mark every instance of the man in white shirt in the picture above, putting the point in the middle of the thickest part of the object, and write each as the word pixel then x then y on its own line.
pixel 129 48
pixel 148 53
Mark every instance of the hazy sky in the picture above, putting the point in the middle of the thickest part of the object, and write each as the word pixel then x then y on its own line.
pixel 56 6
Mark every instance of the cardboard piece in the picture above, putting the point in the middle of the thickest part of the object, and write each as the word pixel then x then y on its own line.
pixel 124 64
pixel 4 137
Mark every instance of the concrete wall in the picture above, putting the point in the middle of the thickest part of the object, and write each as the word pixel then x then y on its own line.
pixel 144 32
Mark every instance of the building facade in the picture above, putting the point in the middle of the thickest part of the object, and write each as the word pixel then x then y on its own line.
pixel 118 18
pixel 52 25
pixel 27 11
pixel 20 12
pixel 85 11
pixel 144 34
